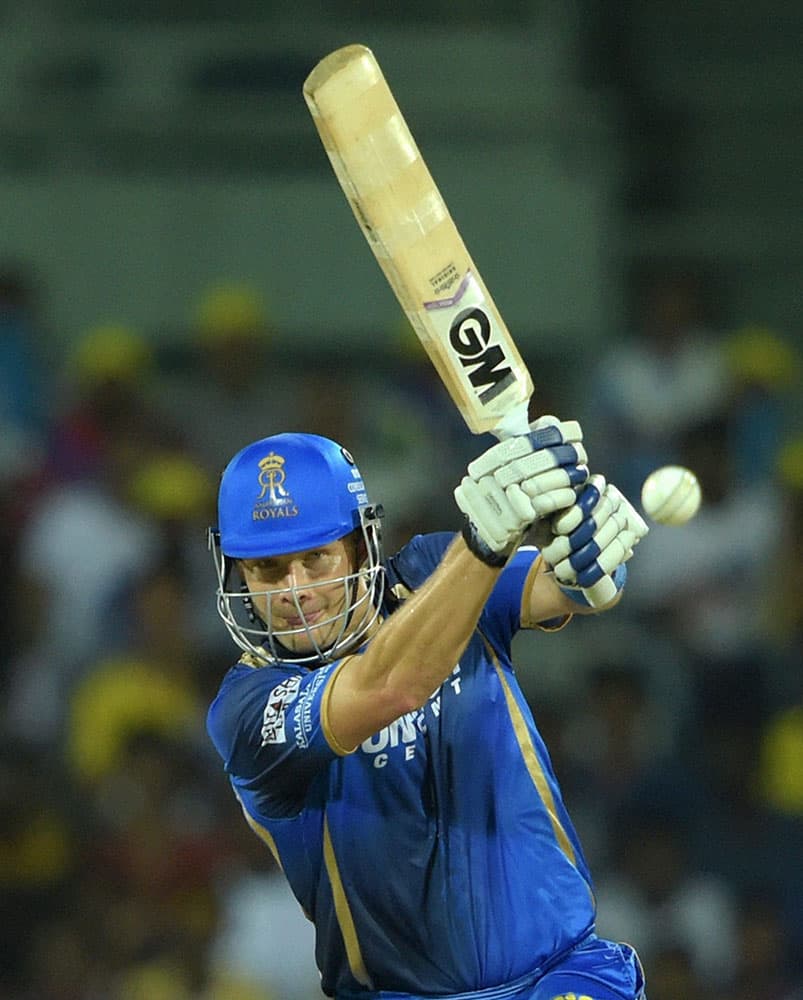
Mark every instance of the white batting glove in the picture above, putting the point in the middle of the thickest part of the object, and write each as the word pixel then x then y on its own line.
pixel 519 481
pixel 593 540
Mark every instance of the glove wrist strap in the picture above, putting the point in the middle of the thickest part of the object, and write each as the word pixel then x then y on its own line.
pixel 482 550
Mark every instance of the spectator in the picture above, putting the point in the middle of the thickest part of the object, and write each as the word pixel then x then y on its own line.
pixel 708 581
pixel 105 404
pixel 38 853
pixel 666 375
pixel 672 977
pixel 263 937
pixel 764 372
pixel 81 539
pixel 766 965
pixel 149 686
pixel 656 890
pixel 155 847
pixel 232 378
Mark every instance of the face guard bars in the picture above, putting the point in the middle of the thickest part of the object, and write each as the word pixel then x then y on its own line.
pixel 258 637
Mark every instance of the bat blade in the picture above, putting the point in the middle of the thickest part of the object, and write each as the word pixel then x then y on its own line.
pixel 416 242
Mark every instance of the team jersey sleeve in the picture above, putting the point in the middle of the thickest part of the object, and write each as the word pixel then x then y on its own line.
pixel 410 567
pixel 501 617
pixel 268 725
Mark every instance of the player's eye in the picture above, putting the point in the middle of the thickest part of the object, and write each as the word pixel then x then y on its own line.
pixel 266 569
pixel 320 560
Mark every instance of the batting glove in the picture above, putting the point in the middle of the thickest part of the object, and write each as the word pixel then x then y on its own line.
pixel 517 482
pixel 593 540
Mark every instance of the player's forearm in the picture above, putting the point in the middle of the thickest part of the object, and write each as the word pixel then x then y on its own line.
pixel 414 651
pixel 422 642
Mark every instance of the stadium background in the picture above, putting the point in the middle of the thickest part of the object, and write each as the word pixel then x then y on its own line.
pixel 179 273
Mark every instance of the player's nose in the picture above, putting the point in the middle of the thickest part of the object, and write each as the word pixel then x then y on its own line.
pixel 297 577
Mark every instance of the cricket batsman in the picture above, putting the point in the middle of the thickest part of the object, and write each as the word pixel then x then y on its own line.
pixel 374 731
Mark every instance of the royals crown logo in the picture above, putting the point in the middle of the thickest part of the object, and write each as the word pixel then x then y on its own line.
pixel 271 479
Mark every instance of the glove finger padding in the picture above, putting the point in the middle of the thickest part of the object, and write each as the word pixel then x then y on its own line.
pixel 588 498
pixel 545 437
pixel 595 561
pixel 574 540
pixel 493 527
pixel 548 476
pixel 540 463
pixel 599 529
pixel 518 481
pixel 551 501
pixel 594 538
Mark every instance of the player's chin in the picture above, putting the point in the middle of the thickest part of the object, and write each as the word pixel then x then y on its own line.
pixel 311 639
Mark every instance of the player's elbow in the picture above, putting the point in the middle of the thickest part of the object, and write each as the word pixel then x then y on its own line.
pixel 399 694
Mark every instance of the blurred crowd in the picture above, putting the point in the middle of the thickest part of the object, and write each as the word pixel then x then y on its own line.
pixel 675 723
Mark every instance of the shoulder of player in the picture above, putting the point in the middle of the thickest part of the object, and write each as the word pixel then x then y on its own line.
pixel 244 683
pixel 417 559
pixel 241 698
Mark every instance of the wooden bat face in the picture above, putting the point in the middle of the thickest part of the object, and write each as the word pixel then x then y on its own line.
pixel 413 237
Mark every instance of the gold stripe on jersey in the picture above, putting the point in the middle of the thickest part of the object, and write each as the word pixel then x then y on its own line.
pixel 527 592
pixel 526 598
pixel 531 761
pixel 326 726
pixel 264 835
pixel 343 912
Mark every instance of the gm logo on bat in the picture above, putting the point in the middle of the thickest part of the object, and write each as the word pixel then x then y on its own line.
pixel 470 336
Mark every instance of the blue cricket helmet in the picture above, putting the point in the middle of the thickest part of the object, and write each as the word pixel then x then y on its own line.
pixel 284 494
pixel 288 493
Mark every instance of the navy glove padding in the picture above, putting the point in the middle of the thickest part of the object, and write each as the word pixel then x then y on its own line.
pixel 519 481
pixel 592 541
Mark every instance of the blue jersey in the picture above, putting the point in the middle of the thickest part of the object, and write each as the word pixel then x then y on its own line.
pixel 437 858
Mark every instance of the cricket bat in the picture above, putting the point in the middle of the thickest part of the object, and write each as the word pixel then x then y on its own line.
pixel 411 232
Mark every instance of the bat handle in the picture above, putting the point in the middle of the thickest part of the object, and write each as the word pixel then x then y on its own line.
pixel 516 421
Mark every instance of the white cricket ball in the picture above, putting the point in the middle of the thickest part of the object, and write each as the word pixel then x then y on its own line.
pixel 671 495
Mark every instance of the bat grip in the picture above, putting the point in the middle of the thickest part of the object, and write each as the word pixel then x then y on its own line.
pixel 515 422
